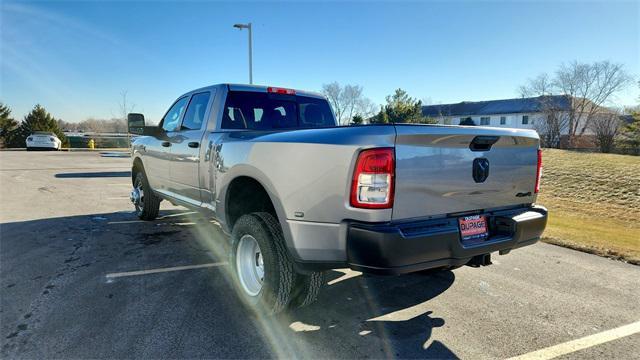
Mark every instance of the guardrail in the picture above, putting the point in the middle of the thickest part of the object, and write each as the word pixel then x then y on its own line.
pixel 97 141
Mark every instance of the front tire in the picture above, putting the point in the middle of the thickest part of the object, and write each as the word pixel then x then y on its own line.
pixel 146 202
pixel 263 271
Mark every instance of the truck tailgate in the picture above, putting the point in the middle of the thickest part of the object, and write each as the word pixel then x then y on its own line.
pixel 435 164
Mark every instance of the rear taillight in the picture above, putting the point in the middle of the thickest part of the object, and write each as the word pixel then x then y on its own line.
pixel 373 177
pixel 281 91
pixel 538 171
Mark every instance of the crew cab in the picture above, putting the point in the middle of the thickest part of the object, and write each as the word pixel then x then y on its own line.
pixel 298 195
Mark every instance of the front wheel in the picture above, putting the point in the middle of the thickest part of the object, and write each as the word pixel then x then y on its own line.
pixel 146 202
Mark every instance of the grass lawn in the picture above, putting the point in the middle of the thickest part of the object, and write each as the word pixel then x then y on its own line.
pixel 593 201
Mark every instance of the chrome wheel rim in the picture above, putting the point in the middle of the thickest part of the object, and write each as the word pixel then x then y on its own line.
pixel 137 196
pixel 250 265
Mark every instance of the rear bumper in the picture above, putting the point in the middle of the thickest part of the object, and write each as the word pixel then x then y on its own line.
pixel 413 246
pixel 42 146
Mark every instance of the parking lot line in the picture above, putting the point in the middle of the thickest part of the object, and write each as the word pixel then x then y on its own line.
pixel 155 271
pixel 346 275
pixel 178 214
pixel 159 218
pixel 582 343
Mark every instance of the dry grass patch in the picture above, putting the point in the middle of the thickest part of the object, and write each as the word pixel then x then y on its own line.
pixel 593 201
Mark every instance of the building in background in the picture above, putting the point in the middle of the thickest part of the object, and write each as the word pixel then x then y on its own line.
pixel 513 113
pixel 522 113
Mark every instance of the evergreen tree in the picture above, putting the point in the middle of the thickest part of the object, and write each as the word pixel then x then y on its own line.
pixel 357 120
pixel 425 120
pixel 629 136
pixel 402 108
pixel 8 126
pixel 38 120
pixel 381 117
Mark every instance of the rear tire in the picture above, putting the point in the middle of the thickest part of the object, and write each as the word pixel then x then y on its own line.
pixel 263 271
pixel 306 289
pixel 149 205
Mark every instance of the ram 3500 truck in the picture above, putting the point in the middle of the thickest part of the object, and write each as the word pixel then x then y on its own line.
pixel 299 195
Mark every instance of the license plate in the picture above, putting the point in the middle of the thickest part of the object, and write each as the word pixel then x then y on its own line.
pixel 473 228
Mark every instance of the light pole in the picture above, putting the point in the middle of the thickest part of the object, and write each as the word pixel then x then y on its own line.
pixel 248 26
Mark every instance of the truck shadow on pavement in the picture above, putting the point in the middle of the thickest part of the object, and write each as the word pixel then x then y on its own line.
pixel 372 316
pixel 55 292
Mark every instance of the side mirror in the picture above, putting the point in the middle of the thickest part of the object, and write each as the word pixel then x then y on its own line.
pixel 135 123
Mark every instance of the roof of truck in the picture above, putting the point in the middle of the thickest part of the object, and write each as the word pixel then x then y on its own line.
pixel 256 88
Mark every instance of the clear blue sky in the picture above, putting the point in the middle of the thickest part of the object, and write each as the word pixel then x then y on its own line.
pixel 75 57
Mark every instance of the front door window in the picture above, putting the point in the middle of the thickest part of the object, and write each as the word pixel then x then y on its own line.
pixel 171 120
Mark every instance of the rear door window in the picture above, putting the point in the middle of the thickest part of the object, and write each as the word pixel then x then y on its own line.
pixel 267 111
pixel 194 116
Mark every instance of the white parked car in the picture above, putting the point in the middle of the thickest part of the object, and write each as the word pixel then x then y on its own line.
pixel 43 140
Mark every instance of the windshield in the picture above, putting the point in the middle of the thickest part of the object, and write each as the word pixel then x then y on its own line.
pixel 266 111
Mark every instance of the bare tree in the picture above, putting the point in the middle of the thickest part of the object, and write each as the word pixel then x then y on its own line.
pixel 444 113
pixel 587 89
pixel 114 125
pixel 125 109
pixel 333 93
pixel 67 126
pixel 365 108
pixel 124 106
pixel 550 128
pixel 605 126
pixel 348 102
pixel 427 101
pixel 554 118
pixel 539 86
pixel 590 86
pixel 93 125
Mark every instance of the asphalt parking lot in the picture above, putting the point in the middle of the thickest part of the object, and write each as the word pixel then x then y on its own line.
pixel 81 277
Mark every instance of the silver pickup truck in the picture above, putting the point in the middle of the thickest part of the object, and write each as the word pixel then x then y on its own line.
pixel 299 195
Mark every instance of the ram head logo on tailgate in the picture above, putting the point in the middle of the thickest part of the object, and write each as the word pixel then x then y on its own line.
pixel 480 169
